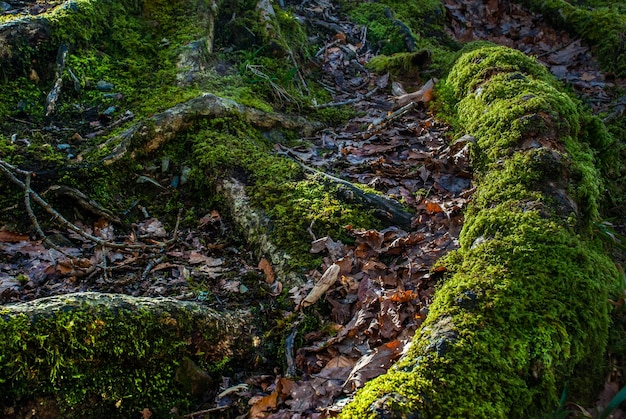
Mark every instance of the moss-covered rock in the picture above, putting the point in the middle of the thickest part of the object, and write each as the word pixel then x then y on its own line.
pixel 525 309
pixel 105 355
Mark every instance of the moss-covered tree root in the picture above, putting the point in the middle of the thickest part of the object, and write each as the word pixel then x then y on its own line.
pixel 106 355
pixel 165 126
pixel 525 309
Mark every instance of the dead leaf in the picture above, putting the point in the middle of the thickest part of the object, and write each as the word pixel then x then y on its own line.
pixel 264 404
pixel 433 207
pixel 277 288
pixel 329 278
pixel 266 267
pixel 196 257
pixel 11 237
pixel 588 77
pixel 212 218
pixel 373 364
pixel 151 228
pixel 341 37
pixel 337 368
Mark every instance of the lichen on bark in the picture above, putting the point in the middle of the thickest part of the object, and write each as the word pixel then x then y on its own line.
pixel 525 308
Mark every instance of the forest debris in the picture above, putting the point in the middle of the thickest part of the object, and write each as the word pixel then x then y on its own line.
pixel 239 388
pixel 424 94
pixel 9 170
pixel 12 237
pixel 267 269
pixel 325 282
pixel 84 201
pixel 373 364
pixel 162 127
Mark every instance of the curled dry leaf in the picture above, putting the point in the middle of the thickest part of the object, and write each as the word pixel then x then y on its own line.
pixel 374 364
pixel 329 278
pixel 425 94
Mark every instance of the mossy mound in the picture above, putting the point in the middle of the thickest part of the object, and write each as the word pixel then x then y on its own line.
pixel 104 355
pixel 525 310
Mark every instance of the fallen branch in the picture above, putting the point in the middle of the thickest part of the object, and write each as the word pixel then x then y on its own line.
pixel 525 307
pixel 84 201
pixel 348 101
pixel 101 348
pixel 155 131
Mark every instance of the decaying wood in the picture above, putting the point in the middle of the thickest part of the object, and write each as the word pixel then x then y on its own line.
pixel 55 93
pixel 386 209
pixel 322 285
pixel 102 326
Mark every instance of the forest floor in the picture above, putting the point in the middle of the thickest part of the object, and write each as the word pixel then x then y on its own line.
pixel 387 277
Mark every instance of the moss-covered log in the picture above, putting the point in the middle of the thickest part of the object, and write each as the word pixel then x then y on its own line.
pixel 525 310
pixel 106 355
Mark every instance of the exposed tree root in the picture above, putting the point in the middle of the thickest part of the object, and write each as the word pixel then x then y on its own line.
pixel 154 132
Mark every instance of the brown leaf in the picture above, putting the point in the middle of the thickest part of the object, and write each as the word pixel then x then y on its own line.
pixel 341 37
pixel 196 257
pixel 404 296
pixel 267 269
pixel 285 386
pixel 212 218
pixel 11 237
pixel 262 405
pixel 374 364
pixel 433 207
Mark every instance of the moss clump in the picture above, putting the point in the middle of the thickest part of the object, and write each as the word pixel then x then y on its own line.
pixel 525 308
pixel 403 32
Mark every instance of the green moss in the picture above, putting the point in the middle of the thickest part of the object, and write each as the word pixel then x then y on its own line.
pixel 97 361
pixel 407 64
pixel 291 199
pixel 406 30
pixel 382 31
pixel 525 307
